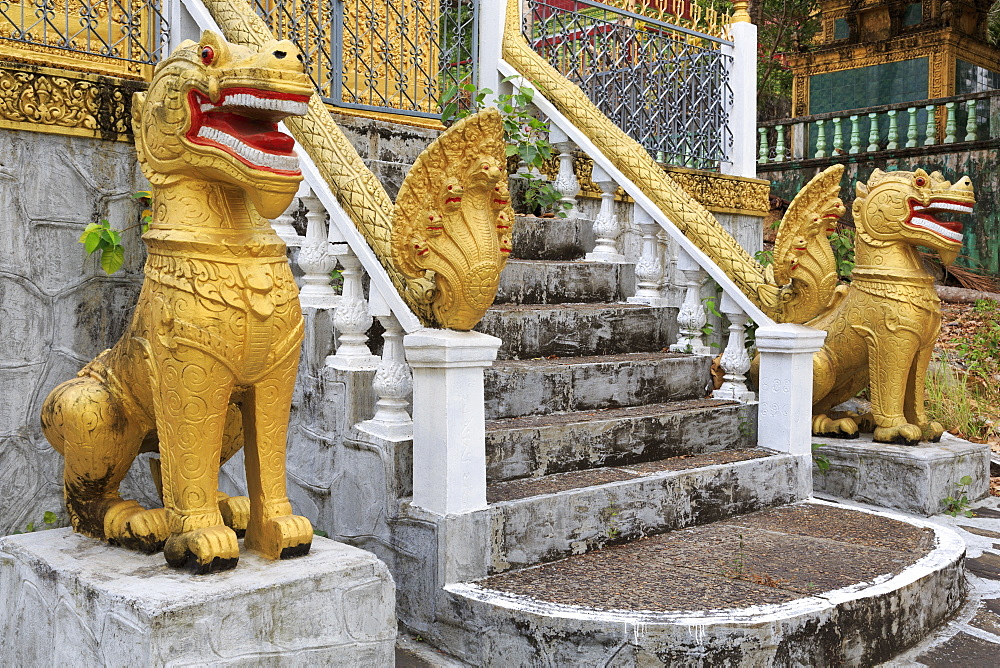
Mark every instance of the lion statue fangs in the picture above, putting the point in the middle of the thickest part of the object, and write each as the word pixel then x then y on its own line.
pixel 881 328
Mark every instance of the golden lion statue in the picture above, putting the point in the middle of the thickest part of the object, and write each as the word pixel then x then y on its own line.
pixel 208 363
pixel 881 329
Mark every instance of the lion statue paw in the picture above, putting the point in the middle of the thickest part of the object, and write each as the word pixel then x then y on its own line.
pixel 845 427
pixel 904 434
pixel 204 550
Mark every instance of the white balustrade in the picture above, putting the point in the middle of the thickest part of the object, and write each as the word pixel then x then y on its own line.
pixel 315 259
pixel 352 318
pixel 692 317
pixel 283 224
pixel 649 269
pixel 735 361
pixel 566 182
pixel 393 384
pixel 606 226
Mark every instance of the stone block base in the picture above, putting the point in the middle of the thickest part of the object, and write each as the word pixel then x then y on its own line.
pixel 68 600
pixel 910 478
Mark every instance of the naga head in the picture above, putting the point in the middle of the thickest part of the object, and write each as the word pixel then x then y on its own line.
pixel 212 111
pixel 914 207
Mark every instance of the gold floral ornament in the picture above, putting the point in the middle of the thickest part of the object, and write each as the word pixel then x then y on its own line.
pixel 452 220
pixel 208 364
pixel 881 329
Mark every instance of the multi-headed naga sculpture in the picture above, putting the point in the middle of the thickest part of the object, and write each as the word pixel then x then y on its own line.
pixel 882 327
pixel 208 363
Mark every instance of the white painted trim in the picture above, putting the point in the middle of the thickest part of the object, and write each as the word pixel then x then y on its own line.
pixel 201 16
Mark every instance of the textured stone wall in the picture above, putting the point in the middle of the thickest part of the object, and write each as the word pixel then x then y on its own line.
pixel 57 307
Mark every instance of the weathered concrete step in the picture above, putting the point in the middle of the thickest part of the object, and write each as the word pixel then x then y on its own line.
pixel 542 445
pixel 802 585
pixel 540 330
pixel 565 282
pixel 541 519
pixel 552 238
pixel 516 388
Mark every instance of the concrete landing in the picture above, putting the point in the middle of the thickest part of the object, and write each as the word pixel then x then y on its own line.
pixel 69 600
pixel 913 479
pixel 784 586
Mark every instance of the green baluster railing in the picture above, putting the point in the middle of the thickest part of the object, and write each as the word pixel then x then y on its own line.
pixel 779 145
pixel 762 150
pixel 855 136
pixel 820 139
pixel 950 124
pixel 893 131
pixel 931 126
pixel 971 121
pixel 872 132
pixel 838 136
pixel 911 127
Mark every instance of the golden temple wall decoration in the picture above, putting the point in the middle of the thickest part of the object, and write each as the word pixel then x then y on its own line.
pixel 43 99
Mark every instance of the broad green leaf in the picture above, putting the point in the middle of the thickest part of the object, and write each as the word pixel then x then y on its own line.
pixel 50 517
pixel 92 241
pixel 112 259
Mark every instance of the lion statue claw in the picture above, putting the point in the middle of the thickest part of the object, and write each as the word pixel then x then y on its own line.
pixel 882 328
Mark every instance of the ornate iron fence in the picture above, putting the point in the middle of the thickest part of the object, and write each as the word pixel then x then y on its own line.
pixel 116 36
pixel 666 85
pixel 381 55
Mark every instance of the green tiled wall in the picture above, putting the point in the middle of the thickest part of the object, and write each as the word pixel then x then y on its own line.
pixel 913 14
pixel 840 29
pixel 868 86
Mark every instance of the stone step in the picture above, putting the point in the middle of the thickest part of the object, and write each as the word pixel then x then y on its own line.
pixel 806 584
pixel 524 447
pixel 552 238
pixel 536 520
pixel 540 330
pixel 562 282
pixel 516 388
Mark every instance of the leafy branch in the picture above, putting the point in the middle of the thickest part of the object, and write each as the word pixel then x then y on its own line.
pixel 100 236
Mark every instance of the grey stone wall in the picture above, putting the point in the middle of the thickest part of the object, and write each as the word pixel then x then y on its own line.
pixel 57 307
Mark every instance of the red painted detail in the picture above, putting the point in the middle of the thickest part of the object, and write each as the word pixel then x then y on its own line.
pixel 453 200
pixel 207 55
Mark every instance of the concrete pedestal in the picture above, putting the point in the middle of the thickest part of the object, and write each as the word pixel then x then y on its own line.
pixel 911 478
pixel 68 600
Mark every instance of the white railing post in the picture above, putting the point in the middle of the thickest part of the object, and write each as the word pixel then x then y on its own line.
pixel 743 113
pixel 449 420
pixel 692 316
pixel 606 227
pixel 785 388
pixel 393 385
pixel 565 183
pixel 315 259
pixel 490 46
pixel 283 224
pixel 351 318
pixel 735 361
pixel 649 270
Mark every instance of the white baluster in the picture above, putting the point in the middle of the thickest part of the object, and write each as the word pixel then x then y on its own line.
pixel 649 270
pixel 352 318
pixel 565 182
pixel 393 384
pixel 735 361
pixel 283 224
pixel 315 259
pixel 606 227
pixel 692 315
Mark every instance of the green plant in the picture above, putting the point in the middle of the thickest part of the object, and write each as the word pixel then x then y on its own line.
pixel 960 403
pixel 821 462
pixel 979 352
pixel 612 518
pixel 843 251
pixel 49 520
pixel 958 503
pixel 764 257
pixel 526 136
pixel 100 236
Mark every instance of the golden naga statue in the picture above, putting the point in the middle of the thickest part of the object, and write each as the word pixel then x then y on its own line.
pixel 208 364
pixel 881 328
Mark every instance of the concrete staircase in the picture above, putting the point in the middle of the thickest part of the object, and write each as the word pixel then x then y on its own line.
pixel 600 443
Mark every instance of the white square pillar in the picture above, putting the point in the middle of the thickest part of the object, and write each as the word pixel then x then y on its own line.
pixel 743 113
pixel 785 393
pixel 449 419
